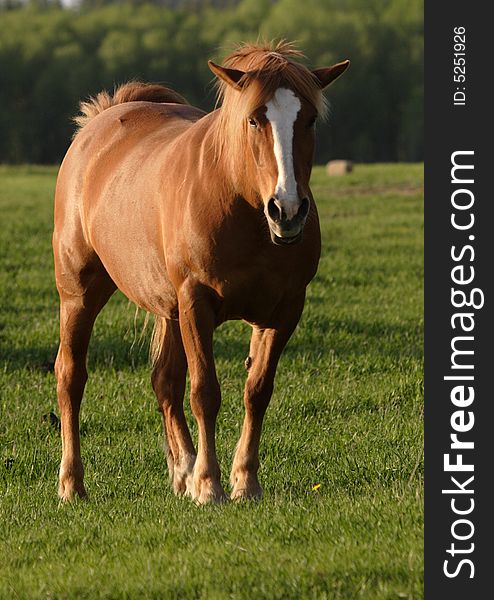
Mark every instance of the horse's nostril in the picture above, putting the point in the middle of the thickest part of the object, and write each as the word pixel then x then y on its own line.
pixel 275 211
pixel 303 210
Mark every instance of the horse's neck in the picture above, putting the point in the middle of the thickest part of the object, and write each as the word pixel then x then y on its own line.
pixel 220 172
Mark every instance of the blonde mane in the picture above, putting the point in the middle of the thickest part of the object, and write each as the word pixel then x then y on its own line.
pixel 267 67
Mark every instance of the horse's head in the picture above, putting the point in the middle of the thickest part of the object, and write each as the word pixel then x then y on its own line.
pixel 270 107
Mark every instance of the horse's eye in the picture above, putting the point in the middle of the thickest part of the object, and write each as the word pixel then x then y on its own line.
pixel 253 123
pixel 312 122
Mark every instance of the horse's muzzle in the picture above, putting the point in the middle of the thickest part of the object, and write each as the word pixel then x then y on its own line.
pixel 286 241
pixel 285 231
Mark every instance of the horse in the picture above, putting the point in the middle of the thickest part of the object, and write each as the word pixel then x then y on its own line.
pixel 197 218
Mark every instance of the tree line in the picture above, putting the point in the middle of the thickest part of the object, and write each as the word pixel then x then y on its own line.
pixel 51 56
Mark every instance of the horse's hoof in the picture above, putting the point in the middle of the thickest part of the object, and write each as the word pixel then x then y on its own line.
pixel 182 485
pixel 211 499
pixel 246 487
pixel 69 491
pixel 206 491
pixel 240 494
pixel 182 476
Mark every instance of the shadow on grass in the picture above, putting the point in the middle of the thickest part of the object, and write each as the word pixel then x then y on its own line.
pixel 354 338
pixel 347 338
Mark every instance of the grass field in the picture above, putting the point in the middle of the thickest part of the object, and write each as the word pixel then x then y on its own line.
pixel 346 415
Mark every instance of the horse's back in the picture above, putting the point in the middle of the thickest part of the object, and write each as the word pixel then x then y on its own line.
pixel 113 136
pixel 102 213
pixel 126 127
pixel 120 143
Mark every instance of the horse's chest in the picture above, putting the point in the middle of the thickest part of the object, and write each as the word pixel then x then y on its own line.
pixel 252 295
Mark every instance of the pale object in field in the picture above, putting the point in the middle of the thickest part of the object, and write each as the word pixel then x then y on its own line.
pixel 339 167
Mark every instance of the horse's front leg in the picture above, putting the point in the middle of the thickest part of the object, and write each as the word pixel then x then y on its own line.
pixel 265 350
pixel 197 323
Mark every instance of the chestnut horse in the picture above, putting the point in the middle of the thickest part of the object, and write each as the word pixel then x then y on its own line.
pixel 197 218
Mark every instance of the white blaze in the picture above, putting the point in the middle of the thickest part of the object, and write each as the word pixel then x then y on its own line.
pixel 282 111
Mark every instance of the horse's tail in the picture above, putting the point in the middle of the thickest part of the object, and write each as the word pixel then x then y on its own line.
pixel 127 92
pixel 157 338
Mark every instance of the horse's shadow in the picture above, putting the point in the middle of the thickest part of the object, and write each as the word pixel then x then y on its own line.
pixel 109 352
pixel 317 335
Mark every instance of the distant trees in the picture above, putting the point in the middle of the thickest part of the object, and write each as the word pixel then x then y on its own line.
pixel 51 57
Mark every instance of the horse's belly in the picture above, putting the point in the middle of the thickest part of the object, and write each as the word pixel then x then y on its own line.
pixel 148 287
pixel 132 256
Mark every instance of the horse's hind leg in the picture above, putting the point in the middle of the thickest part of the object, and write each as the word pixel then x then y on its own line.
pixel 168 381
pixel 81 299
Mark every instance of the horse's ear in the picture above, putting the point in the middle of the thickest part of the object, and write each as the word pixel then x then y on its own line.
pixel 229 76
pixel 327 75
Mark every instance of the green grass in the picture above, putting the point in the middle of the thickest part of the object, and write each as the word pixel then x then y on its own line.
pixel 346 414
